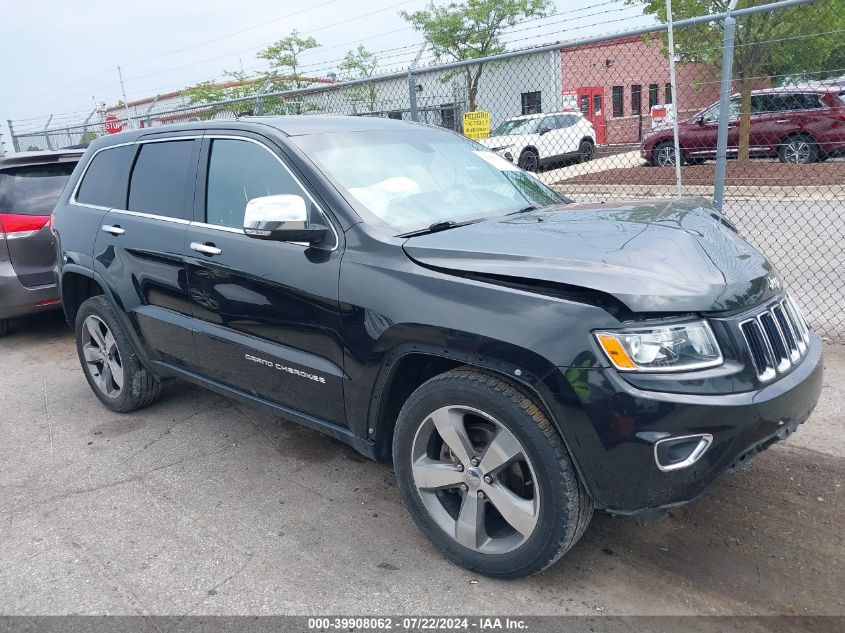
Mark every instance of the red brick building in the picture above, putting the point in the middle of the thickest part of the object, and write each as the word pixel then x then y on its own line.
pixel 614 83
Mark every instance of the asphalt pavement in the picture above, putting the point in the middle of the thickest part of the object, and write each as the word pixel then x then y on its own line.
pixel 200 505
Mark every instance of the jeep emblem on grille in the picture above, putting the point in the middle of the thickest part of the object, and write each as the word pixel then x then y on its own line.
pixel 774 283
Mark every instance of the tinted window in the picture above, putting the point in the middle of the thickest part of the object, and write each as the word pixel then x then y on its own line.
pixel 33 190
pixel 636 98
pixel 531 103
pixel 160 178
pixel 239 171
pixel 618 96
pixel 565 120
pixel 104 183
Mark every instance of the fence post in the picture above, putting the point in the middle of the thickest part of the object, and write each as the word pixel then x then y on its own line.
pixel 724 107
pixel 147 116
pixel 674 87
pixel 259 96
pixel 412 94
pixel 12 134
pixel 412 84
pixel 85 124
pixel 46 135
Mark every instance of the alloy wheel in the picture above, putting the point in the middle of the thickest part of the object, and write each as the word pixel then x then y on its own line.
pixel 585 151
pixel 529 161
pixel 665 156
pixel 102 358
pixel 475 479
pixel 797 151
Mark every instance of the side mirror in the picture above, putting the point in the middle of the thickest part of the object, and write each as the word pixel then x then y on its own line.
pixel 283 218
pixel 544 130
pixel 700 120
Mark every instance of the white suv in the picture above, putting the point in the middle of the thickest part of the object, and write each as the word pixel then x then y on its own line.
pixel 534 139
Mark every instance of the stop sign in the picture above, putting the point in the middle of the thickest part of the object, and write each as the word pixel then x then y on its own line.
pixel 112 125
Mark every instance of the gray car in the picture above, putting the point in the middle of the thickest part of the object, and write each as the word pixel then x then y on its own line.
pixel 30 185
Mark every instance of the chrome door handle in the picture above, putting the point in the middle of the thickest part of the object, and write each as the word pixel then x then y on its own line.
pixel 114 230
pixel 205 249
pixel 782 121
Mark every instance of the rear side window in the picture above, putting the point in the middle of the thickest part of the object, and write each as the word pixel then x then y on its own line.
pixel 34 189
pixel 104 182
pixel 160 178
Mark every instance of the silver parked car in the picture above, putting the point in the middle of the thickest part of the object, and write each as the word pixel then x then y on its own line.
pixel 30 185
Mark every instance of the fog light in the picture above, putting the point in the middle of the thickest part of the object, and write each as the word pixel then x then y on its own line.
pixel 674 453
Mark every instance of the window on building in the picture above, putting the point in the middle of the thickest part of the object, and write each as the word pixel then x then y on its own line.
pixel 653 98
pixel 636 99
pixel 531 103
pixel 584 105
pixel 668 94
pixel 160 179
pixel 447 116
pixel 618 96
pixel 239 171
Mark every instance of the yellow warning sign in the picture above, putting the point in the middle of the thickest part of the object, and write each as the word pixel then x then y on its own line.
pixel 476 125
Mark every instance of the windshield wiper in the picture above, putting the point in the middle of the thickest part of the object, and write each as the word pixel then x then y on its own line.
pixel 530 207
pixel 443 225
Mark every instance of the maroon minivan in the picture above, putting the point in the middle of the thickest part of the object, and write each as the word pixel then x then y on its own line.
pixel 798 125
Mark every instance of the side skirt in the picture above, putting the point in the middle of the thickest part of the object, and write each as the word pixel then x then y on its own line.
pixel 366 447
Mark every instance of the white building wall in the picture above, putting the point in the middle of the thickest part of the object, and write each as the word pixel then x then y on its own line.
pixel 441 95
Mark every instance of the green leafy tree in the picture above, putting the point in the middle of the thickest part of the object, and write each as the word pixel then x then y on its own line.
pixel 472 29
pixel 802 42
pixel 284 57
pixel 236 85
pixel 361 64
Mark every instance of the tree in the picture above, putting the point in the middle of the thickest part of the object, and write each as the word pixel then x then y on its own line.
pixel 235 86
pixel 472 29
pixel 361 64
pixel 801 42
pixel 284 56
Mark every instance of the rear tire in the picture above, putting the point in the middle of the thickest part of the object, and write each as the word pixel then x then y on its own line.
pixel 109 362
pixel 529 160
pixel 585 150
pixel 663 154
pixel 800 149
pixel 516 461
pixel 4 327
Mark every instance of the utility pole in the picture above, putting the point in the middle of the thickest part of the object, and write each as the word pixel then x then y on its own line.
pixel 125 102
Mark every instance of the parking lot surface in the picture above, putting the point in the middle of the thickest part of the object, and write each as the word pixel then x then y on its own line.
pixel 201 505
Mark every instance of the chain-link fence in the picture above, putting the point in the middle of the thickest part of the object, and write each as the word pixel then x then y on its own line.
pixel 595 118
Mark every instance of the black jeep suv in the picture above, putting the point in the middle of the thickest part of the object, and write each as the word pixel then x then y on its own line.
pixel 522 359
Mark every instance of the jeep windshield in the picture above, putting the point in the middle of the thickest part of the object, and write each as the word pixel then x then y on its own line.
pixel 516 126
pixel 407 181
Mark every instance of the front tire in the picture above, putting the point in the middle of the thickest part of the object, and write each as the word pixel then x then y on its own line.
pixel 529 160
pixel 109 361
pixel 486 477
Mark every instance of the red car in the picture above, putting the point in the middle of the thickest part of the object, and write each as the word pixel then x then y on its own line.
pixel 798 125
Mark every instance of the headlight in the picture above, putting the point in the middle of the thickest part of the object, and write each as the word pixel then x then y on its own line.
pixel 678 347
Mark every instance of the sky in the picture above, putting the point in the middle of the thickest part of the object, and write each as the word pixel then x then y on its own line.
pixel 60 57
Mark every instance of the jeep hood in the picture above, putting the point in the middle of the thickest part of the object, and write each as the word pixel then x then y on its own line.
pixel 676 255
